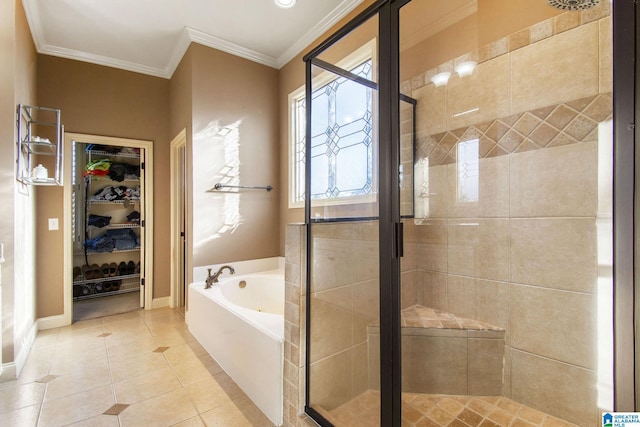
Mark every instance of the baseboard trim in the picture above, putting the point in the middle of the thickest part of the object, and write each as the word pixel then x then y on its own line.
pixel 160 302
pixel 8 372
pixel 51 322
pixel 11 370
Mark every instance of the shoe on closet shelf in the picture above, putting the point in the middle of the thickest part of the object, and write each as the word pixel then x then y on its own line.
pixel 138 268
pixel 104 269
pixel 131 267
pixel 96 272
pixel 86 272
pixel 113 269
pixel 122 269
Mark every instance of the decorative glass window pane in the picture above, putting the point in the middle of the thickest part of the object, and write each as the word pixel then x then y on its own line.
pixel 422 190
pixel 468 171
pixel 341 145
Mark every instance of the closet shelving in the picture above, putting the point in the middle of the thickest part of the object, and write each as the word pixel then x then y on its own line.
pixel 118 210
pixel 40 133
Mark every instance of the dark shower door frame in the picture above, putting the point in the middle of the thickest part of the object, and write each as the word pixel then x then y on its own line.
pixel 624 14
pixel 625 49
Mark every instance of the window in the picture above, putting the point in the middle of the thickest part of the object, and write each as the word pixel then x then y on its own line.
pixel 342 145
pixel 468 171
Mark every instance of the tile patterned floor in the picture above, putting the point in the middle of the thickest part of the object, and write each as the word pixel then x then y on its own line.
pixel 142 368
pixel 424 410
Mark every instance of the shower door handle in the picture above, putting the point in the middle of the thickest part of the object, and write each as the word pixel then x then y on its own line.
pixel 398 240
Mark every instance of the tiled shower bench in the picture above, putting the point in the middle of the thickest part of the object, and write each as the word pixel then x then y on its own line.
pixel 444 354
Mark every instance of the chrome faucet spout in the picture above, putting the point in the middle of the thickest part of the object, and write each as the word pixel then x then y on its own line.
pixel 219 272
pixel 213 278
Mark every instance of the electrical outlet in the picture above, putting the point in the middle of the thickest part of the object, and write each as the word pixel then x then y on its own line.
pixel 53 224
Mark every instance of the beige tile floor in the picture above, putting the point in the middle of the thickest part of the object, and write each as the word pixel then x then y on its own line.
pixel 430 410
pixel 142 368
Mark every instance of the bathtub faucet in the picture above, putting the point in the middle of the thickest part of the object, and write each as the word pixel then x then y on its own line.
pixel 214 279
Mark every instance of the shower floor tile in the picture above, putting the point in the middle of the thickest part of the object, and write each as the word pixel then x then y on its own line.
pixel 435 410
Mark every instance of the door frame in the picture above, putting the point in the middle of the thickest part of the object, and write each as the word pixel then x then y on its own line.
pixel 147 146
pixel 178 219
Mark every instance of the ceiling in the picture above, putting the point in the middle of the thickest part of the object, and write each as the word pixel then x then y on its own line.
pixel 151 36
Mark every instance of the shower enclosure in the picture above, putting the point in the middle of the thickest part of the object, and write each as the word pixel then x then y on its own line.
pixel 459 208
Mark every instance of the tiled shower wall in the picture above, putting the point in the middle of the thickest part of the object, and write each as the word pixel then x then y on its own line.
pixel 345 301
pixel 294 327
pixel 532 254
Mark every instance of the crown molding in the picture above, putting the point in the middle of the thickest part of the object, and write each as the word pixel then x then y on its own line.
pixel 232 48
pixel 35 23
pixel 107 61
pixel 188 35
pixel 178 53
pixel 317 30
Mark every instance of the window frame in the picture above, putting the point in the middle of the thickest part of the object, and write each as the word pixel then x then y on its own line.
pixel 364 53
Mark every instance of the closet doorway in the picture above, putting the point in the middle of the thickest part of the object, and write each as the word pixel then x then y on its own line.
pixel 179 220
pixel 108 195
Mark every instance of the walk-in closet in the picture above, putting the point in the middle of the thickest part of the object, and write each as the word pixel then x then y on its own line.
pixel 108 206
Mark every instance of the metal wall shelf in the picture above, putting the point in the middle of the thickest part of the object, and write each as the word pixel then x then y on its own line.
pixel 39 181
pixel 115 226
pixel 108 154
pixel 109 202
pixel 29 120
pixel 106 294
pixel 102 178
pixel 40 148
pixel 106 279
pixel 115 251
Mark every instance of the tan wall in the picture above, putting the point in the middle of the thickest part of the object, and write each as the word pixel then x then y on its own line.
pixel 17 85
pixel 180 114
pixel 240 96
pixel 103 101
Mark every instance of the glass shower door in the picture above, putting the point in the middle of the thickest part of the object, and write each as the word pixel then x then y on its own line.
pixel 507 269
pixel 343 247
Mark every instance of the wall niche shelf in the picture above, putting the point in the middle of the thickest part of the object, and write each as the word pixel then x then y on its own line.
pixel 39 142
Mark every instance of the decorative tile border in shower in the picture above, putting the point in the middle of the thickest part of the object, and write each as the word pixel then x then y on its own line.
pixel 540 31
pixel 553 126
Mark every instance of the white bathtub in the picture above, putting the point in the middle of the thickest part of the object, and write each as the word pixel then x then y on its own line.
pixel 242 328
